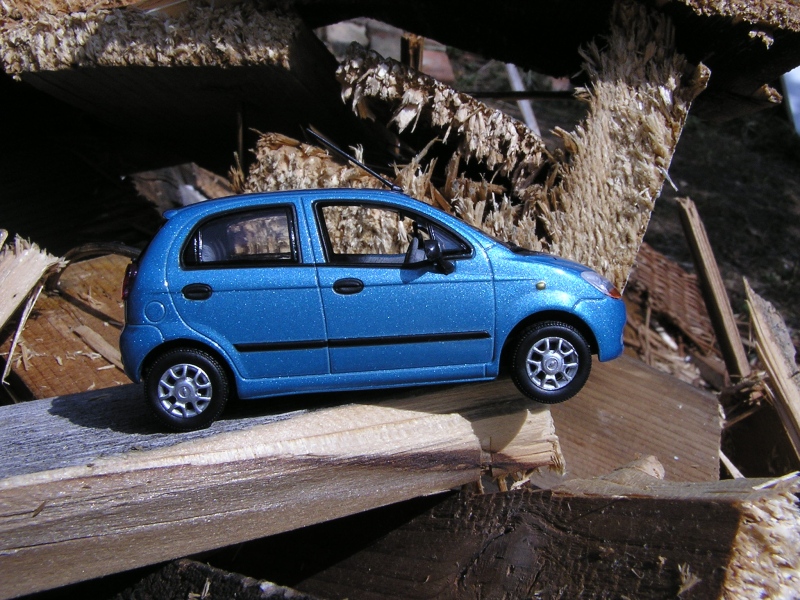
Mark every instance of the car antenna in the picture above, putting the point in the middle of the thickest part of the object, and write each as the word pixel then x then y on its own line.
pixel 330 145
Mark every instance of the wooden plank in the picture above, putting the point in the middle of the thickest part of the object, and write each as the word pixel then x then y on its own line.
pixel 716 297
pixel 625 535
pixel 777 353
pixel 628 409
pixel 88 300
pixel 89 490
pixel 193 110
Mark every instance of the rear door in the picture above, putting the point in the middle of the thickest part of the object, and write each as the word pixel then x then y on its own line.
pixel 243 282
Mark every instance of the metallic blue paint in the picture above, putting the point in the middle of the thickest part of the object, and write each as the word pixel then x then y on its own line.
pixel 136 344
pixel 282 329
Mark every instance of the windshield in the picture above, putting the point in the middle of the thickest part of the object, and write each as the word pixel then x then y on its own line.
pixel 516 249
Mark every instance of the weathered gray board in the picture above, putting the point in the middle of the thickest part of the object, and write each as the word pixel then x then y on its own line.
pixel 88 488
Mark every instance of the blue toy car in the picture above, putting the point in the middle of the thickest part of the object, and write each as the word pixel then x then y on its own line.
pixel 319 290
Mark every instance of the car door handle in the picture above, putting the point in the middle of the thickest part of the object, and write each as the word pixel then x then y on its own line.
pixel 197 291
pixel 348 286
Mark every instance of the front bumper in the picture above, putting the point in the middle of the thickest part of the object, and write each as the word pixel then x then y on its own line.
pixel 606 317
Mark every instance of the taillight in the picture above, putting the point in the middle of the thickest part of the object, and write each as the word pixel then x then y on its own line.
pixel 130 275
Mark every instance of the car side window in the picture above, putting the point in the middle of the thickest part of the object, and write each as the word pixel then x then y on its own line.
pixel 264 236
pixel 367 234
pixel 364 234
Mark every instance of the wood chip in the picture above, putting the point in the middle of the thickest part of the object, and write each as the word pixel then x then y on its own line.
pixel 100 345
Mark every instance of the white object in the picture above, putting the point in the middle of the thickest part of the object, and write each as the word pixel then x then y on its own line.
pixel 524 105
pixel 791 83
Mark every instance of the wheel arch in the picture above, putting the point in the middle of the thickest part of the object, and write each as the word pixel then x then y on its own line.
pixel 539 317
pixel 191 345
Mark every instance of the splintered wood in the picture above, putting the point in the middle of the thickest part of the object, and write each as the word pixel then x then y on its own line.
pixel 203 35
pixel 96 505
pixel 777 354
pixel 488 136
pixel 18 9
pixel 762 15
pixel 22 266
pixel 639 98
pixel 284 163
pixel 591 203
pixel 70 343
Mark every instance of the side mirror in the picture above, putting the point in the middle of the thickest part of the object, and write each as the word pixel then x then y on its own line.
pixel 433 253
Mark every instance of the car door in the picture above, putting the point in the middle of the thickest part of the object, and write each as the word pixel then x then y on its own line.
pixel 385 313
pixel 242 283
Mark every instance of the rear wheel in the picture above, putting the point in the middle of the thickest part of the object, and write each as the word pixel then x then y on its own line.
pixel 551 362
pixel 186 389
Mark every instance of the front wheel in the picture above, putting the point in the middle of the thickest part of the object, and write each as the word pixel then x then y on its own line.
pixel 551 362
pixel 186 389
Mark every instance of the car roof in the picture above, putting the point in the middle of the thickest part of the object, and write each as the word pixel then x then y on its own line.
pixel 257 198
pixel 181 217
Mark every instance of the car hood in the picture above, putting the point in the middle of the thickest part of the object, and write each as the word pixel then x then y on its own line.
pixel 543 257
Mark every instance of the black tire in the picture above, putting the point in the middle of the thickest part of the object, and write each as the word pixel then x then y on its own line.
pixel 186 389
pixel 551 362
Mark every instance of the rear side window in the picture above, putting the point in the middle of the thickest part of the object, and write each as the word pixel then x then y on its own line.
pixel 263 236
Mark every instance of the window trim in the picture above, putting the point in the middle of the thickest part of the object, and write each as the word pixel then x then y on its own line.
pixel 327 247
pixel 295 250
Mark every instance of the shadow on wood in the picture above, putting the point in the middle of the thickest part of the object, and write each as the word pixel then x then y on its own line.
pixel 89 490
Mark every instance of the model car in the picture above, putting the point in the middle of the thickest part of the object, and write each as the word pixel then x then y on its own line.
pixel 321 290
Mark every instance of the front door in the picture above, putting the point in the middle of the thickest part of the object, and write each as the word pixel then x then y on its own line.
pixel 386 308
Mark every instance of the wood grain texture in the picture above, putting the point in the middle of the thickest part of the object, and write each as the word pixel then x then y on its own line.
pixel 100 345
pixel 627 410
pixel 714 292
pixel 89 490
pixel 60 361
pixel 627 535
pixel 89 487
pixel 777 353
